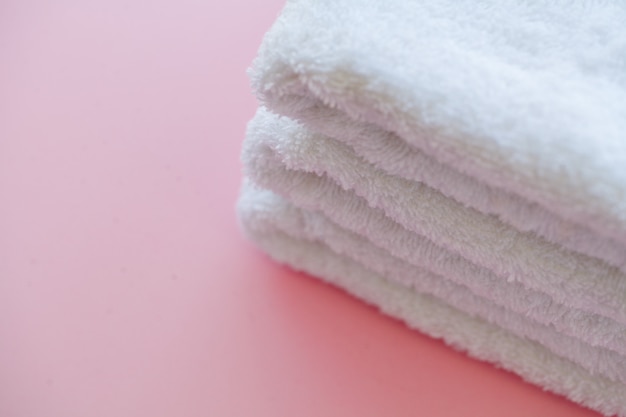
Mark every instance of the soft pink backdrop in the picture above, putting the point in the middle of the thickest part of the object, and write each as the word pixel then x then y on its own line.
pixel 126 289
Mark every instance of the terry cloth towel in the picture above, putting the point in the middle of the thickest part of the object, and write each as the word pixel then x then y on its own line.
pixel 468 155
pixel 293 237
pixel 325 186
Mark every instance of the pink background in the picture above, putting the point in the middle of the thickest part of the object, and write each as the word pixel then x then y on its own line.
pixel 126 289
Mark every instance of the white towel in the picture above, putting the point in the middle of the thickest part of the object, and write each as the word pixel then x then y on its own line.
pixel 289 238
pixel 275 144
pixel 456 158
pixel 310 225
pixel 528 97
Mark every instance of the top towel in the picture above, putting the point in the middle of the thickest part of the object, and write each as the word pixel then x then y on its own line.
pixel 528 97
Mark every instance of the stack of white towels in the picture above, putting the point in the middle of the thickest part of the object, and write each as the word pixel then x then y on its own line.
pixel 460 164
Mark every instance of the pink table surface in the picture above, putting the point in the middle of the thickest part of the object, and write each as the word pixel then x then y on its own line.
pixel 125 286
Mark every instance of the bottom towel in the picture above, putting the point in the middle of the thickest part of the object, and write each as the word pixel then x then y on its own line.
pixel 423 301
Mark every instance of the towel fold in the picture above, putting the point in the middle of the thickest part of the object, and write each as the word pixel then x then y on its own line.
pixel 317 173
pixel 277 229
pixel 525 97
pixel 579 280
pixel 313 226
pixel 459 160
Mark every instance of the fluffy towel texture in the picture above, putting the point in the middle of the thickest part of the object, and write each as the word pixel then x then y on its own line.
pixel 529 97
pixel 286 236
pixel 276 145
pixel 307 169
pixel 460 164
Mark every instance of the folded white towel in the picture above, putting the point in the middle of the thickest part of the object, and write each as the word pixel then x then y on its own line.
pixel 474 152
pixel 294 237
pixel 394 156
pixel 307 169
pixel 447 283
pixel 276 144
pixel 528 97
